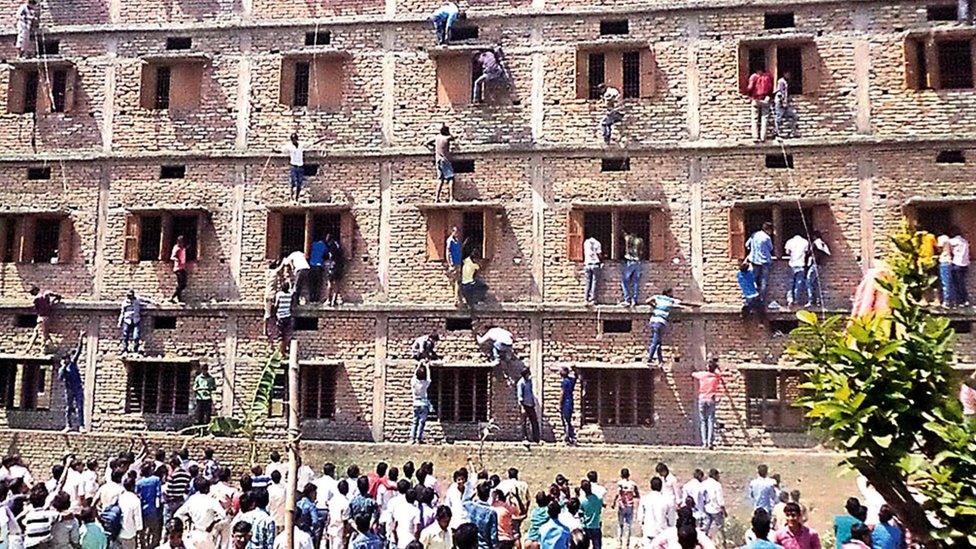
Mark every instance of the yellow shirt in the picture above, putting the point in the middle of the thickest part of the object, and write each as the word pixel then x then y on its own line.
pixel 468 269
pixel 929 245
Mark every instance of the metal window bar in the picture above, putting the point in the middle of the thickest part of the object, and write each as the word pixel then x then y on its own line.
pixel 595 75
pixel 162 87
pixel 632 70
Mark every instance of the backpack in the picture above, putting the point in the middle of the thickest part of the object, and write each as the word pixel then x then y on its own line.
pixel 111 519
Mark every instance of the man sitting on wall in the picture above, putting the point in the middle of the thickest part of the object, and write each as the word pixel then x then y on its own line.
pixel 443 20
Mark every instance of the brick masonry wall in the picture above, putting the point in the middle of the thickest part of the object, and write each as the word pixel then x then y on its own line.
pixel 536 151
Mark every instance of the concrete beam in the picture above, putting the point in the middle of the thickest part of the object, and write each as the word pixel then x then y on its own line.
pixel 229 366
pixel 91 358
pixel 101 228
pixel 378 422
pixel 386 230
pixel 243 105
pixel 866 170
pixel 693 81
pixel 108 103
pixel 538 228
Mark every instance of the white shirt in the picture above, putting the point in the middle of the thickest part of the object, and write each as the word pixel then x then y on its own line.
pixel 672 488
pixel 338 513
pixel 276 503
pixel 326 487
pixel 406 518
pixel 305 475
pixel 945 250
pixel 19 471
pixel 656 512
pixel 419 390
pixel 569 521
pixel 89 483
pixel 597 490
pixel 302 540
pixel 298 262
pixel 296 155
pixel 960 251
pixel 131 507
pixel 611 96
pixel 797 249
pixel 694 489
pixel 713 495
pixel 591 251
pixel 434 538
pixel 108 494
pixel 201 510
pixel 455 500
pixel 498 335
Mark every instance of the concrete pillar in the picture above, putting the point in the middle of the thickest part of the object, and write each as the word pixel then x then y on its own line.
pixel 237 227
pixel 101 228
pixel 866 170
pixel 379 377
pixel 862 75
pixel 538 227
pixel 385 236
pixel 114 11
pixel 697 244
pixel 536 365
pixel 230 366
pixel 538 79
pixel 108 103
pixel 390 8
pixel 693 79
pixel 389 79
pixel 91 355
pixel 243 105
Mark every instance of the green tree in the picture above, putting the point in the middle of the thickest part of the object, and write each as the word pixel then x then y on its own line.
pixel 881 389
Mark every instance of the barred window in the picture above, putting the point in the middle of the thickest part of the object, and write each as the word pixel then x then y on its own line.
pixel 25 385
pixel 632 74
pixel 770 397
pixel 318 384
pixel 460 394
pixel 158 388
pixel 623 397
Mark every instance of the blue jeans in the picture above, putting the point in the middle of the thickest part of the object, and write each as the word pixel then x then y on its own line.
pixel 612 117
pixel 959 291
pixel 706 421
pixel 501 351
pixel 761 270
pixel 945 278
pixel 419 422
pixel 596 537
pixel 591 273
pixel 569 433
pixel 630 280
pixel 625 525
pixel 131 331
pixel 799 281
pixel 656 348
pixel 813 284
pixel 297 177
pixel 74 406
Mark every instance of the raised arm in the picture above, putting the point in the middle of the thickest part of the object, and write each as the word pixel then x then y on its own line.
pixel 81 343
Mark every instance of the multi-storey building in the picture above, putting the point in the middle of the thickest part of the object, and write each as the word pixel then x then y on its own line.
pixel 144 119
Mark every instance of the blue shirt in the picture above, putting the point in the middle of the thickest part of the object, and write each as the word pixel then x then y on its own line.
pixel 71 377
pixel 553 535
pixel 762 544
pixel 842 529
pixel 263 529
pixel 260 482
pixel 485 518
pixel 524 390
pixel 368 540
pixel 568 385
pixel 317 257
pixel 760 247
pixel 448 12
pixel 747 283
pixel 887 536
pixel 149 490
pixel 662 308
pixel 762 493
pixel 307 507
pixel 454 251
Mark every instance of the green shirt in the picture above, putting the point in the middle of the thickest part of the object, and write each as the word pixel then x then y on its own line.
pixel 93 536
pixel 592 508
pixel 204 386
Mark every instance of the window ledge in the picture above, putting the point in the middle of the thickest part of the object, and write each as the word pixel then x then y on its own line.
pixel 470 205
pixel 17 357
pixel 159 360
pixel 317 52
pixel 176 57
pixel 779 38
pixel 758 366
pixel 460 49
pixel 612 44
pixel 54 62
pixel 939 200
pixel 618 205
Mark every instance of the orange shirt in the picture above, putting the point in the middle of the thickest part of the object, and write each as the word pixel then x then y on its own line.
pixel 505 512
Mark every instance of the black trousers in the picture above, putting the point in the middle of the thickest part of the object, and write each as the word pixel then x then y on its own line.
pixel 529 415
pixel 204 410
pixel 181 279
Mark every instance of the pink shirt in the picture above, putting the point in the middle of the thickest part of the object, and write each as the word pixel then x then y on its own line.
pixel 805 538
pixel 967 395
pixel 708 384
pixel 505 511
pixel 179 258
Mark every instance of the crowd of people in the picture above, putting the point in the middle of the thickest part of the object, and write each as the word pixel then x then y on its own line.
pixel 171 500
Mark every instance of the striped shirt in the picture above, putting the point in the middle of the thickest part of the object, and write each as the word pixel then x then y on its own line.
pixel 37 526
pixel 178 485
pixel 662 308
pixel 260 481
pixel 283 304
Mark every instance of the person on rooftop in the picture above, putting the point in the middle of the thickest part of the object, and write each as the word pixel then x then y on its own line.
pixel 443 20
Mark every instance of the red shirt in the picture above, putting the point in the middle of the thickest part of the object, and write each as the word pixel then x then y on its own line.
pixel 708 384
pixel 760 85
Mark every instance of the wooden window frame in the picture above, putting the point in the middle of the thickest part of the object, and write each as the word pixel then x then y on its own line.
pixel 172 382
pixel 770 409
pixel 819 220
pixel 810 62
pixel 655 241
pixel 326 76
pixel 273 228
pixel 47 78
pixel 623 384
pixel 613 70
pixel 320 381
pixel 450 379
pixel 15 389
pixel 133 234
pixel 454 73
pixel 441 220
pixel 185 88
pixel 962 214
pixel 921 59
pixel 19 230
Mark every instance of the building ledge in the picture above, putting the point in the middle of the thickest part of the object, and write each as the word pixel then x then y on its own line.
pixel 466 151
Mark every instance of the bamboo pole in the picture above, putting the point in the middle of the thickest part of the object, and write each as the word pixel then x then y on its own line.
pixel 293 437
